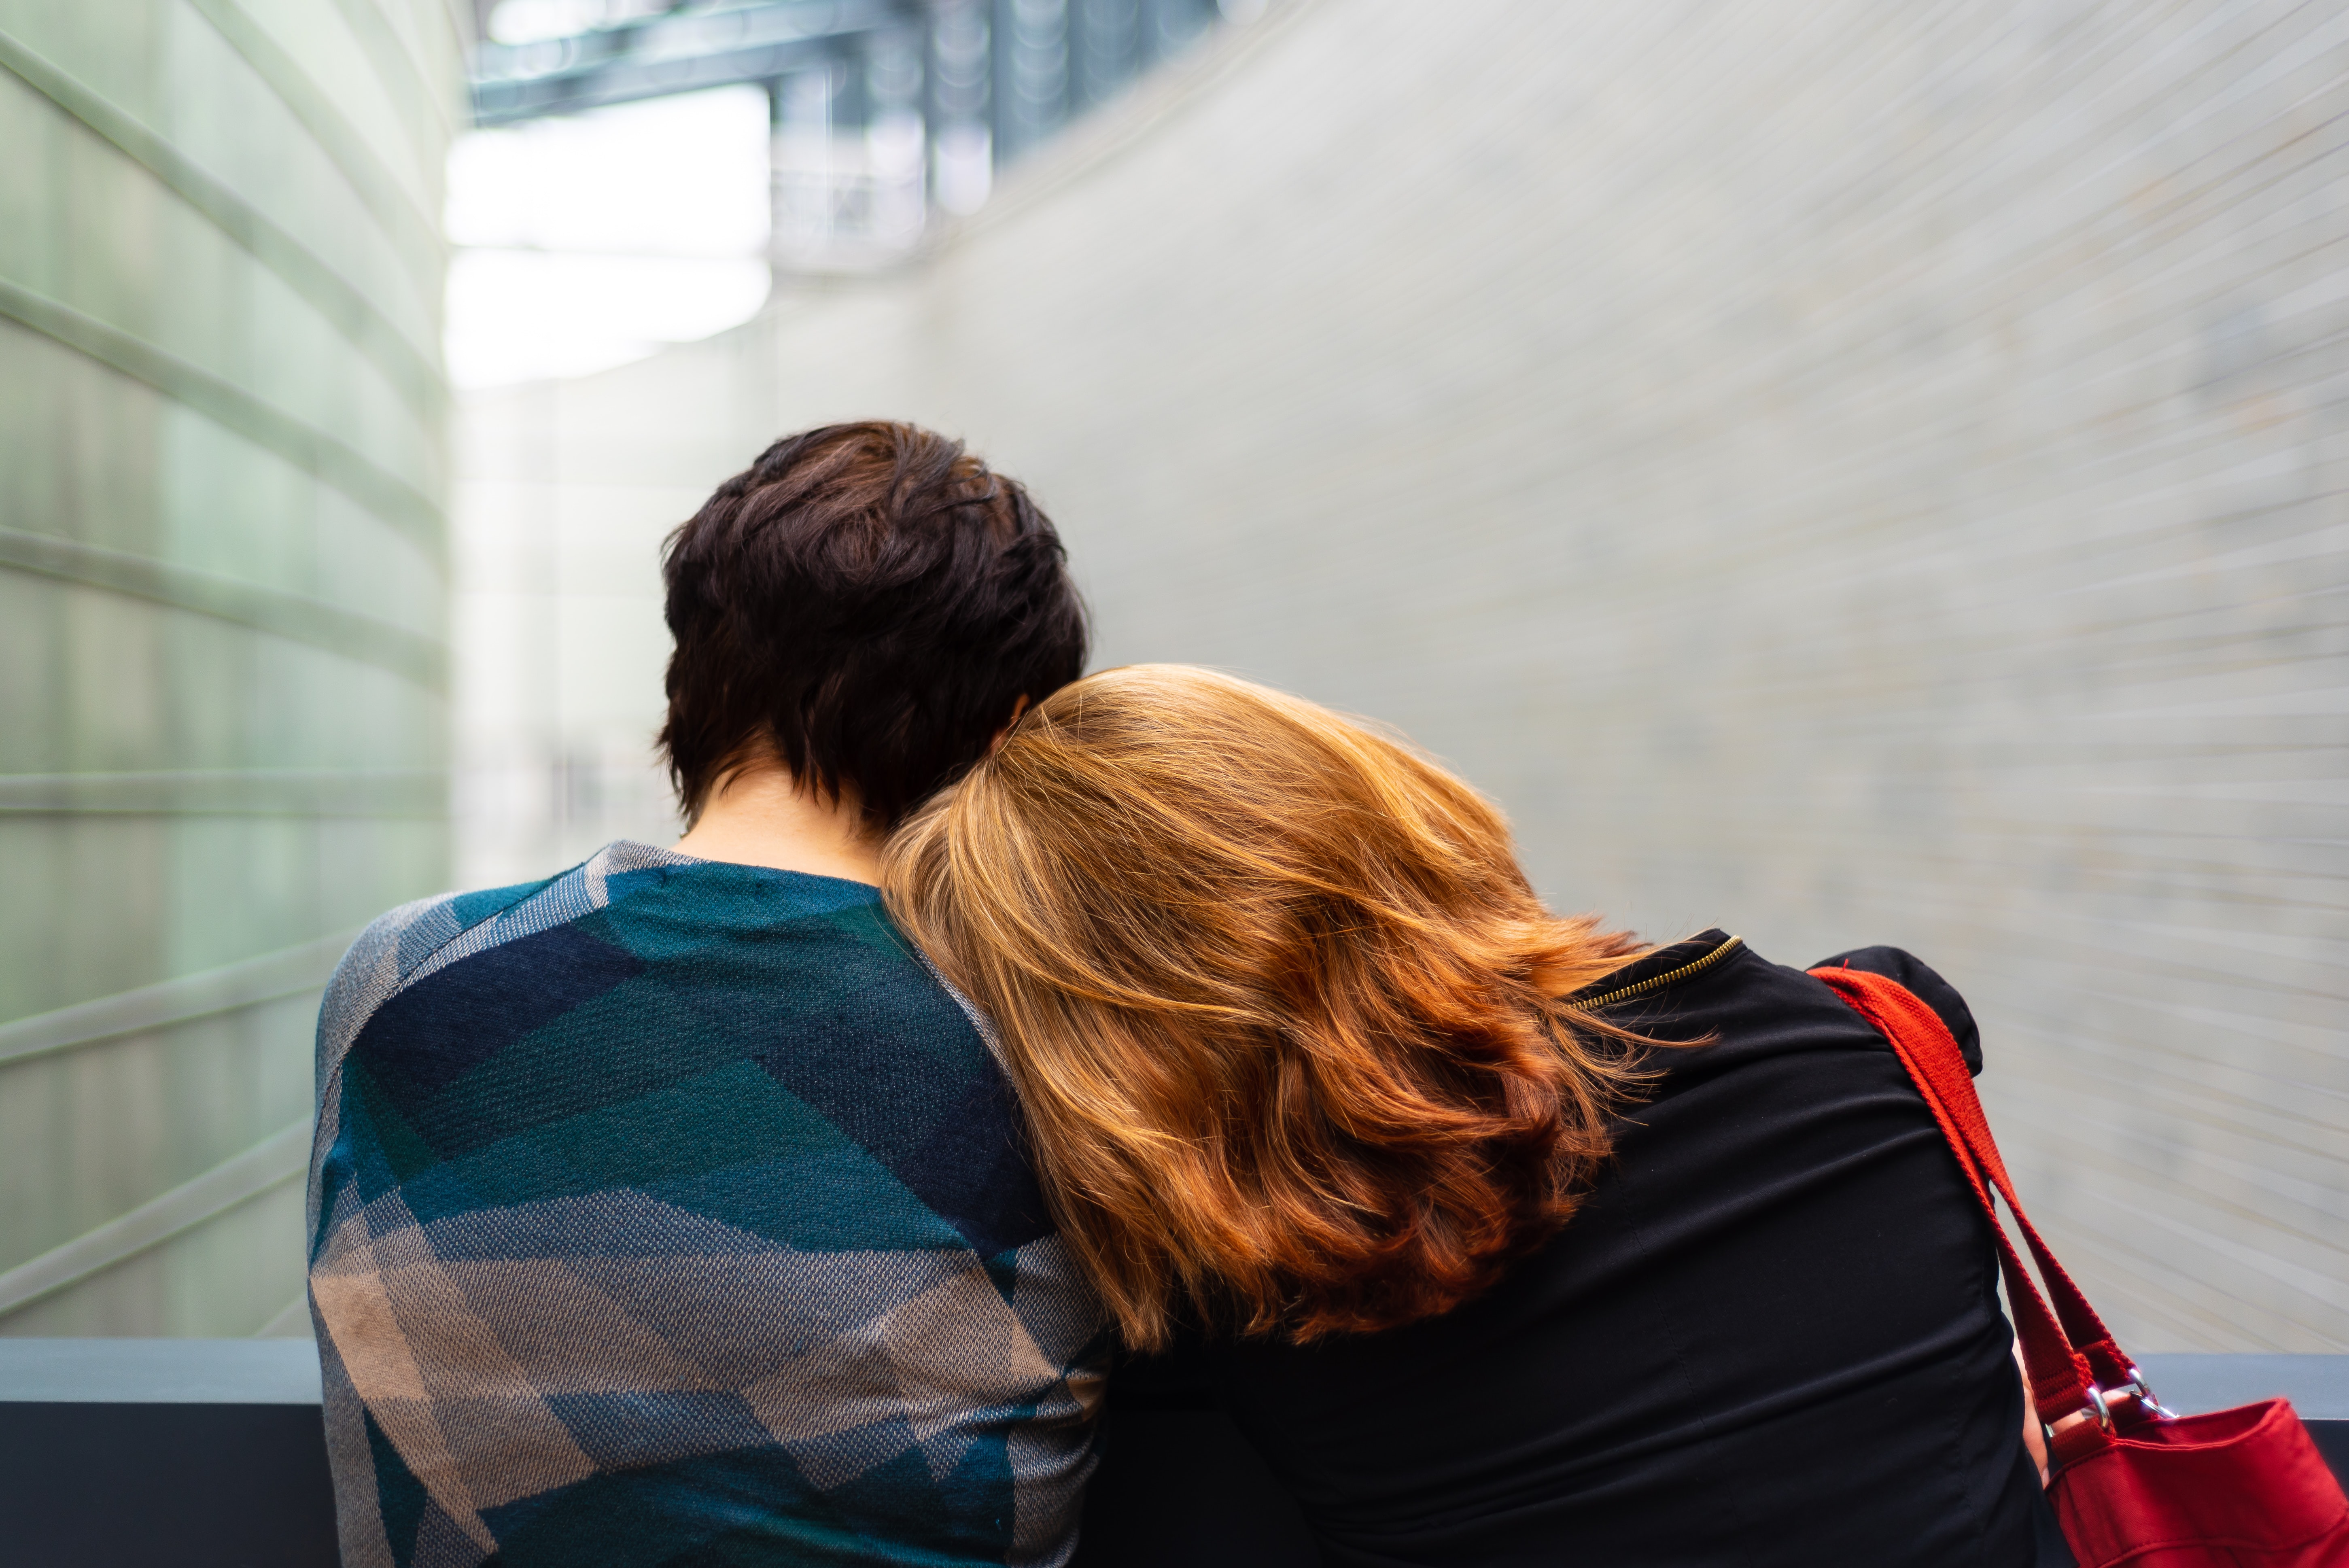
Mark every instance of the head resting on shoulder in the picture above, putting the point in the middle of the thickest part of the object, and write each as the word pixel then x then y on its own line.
pixel 1280 1005
pixel 864 607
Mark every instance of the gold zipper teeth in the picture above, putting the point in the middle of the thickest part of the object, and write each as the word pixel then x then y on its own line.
pixel 1666 978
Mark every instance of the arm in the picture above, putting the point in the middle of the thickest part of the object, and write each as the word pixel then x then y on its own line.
pixel 2034 1436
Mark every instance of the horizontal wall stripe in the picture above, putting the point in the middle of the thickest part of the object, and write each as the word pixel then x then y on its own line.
pixel 408 653
pixel 231 407
pixel 412 230
pixel 276 1159
pixel 229 792
pixel 271 977
pixel 349 310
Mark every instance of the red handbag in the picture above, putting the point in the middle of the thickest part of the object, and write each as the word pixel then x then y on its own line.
pixel 2133 1483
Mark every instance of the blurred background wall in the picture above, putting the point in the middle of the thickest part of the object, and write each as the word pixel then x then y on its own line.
pixel 1848 473
pixel 224 674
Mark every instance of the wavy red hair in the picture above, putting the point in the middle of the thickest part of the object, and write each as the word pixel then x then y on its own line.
pixel 1282 1008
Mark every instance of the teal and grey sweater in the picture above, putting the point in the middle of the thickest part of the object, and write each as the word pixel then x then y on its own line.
pixel 671 1211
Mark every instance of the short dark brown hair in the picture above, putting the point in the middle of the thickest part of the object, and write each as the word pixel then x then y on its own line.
pixel 867 605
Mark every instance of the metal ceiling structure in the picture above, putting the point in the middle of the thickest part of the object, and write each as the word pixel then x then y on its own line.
pixel 683 50
pixel 885 109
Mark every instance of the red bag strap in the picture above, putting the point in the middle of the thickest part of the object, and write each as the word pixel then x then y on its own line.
pixel 2061 1376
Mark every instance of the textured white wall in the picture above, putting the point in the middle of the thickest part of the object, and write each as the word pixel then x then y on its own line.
pixel 1848 473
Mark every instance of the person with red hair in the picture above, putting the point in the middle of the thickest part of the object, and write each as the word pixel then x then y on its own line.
pixel 1507 1238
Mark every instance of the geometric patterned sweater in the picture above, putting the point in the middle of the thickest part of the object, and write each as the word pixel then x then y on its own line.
pixel 672 1212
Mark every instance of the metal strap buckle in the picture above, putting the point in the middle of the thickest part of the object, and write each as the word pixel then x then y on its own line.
pixel 2138 1385
pixel 2136 1388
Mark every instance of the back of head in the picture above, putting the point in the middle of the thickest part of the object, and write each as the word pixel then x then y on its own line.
pixel 1280 1005
pixel 865 604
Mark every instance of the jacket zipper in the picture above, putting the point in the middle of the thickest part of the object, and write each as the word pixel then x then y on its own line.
pixel 1655 981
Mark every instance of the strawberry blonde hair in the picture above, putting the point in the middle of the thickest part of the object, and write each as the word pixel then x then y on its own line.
pixel 1281 1006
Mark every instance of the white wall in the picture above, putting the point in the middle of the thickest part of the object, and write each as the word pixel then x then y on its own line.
pixel 1848 473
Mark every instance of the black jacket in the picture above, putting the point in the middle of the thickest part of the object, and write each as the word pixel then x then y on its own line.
pixel 1770 1336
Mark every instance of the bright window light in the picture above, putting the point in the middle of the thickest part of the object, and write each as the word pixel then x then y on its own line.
pixel 588 241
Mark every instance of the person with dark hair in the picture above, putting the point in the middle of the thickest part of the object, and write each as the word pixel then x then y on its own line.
pixel 671 1210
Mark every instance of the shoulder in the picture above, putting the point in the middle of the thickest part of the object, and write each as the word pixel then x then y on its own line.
pixel 418 939
pixel 1925 984
pixel 397 948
